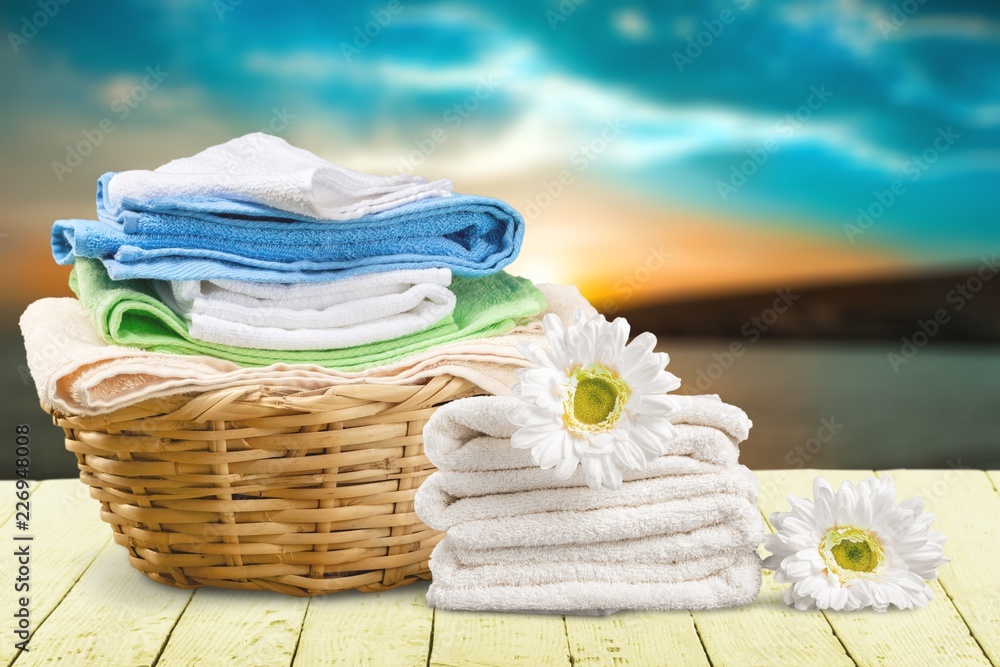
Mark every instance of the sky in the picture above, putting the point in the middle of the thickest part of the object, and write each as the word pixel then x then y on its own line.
pixel 657 150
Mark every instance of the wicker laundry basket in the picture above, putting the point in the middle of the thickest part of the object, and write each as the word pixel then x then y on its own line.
pixel 300 492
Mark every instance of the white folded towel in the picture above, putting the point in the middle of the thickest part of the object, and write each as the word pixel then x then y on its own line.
pixel 698 543
pixel 604 524
pixel 585 589
pixel 474 433
pixel 264 169
pixel 463 484
pixel 568 568
pixel 682 534
pixel 310 316
pixel 77 372
pixel 441 510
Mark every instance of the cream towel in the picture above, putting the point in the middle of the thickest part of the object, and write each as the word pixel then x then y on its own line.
pixel 264 169
pixel 605 524
pixel 442 510
pixel 591 590
pixel 474 433
pixel 311 316
pixel 76 372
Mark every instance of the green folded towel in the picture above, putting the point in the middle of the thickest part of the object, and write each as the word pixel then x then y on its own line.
pixel 127 312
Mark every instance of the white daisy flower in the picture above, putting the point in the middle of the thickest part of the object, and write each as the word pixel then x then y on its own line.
pixel 594 401
pixel 855 548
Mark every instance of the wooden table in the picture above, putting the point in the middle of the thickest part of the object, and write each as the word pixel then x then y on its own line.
pixel 89 607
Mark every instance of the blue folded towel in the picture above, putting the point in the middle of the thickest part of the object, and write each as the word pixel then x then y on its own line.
pixel 209 239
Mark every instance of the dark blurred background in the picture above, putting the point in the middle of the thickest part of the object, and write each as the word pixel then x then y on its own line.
pixel 800 199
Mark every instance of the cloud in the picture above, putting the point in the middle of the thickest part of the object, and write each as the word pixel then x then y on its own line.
pixel 632 24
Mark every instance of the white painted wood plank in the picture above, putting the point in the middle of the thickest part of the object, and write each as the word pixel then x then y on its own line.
pixel 632 639
pixel 966 507
pixel 353 629
pixel 226 627
pixel 757 635
pixel 469 639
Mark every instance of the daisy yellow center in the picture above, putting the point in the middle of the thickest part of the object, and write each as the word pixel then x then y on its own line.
pixel 596 400
pixel 852 553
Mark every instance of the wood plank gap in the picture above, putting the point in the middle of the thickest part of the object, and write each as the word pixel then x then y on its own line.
pixel 295 651
pixel 569 646
pixel 12 484
pixel 697 631
pixel 972 632
pixel 994 477
pixel 163 646
pixel 847 651
pixel 430 642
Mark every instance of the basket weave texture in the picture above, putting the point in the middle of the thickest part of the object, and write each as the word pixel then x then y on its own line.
pixel 299 492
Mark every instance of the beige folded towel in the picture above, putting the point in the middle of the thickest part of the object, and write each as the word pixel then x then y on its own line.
pixel 77 372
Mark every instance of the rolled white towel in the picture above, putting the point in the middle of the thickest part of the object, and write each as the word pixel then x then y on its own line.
pixel 474 433
pixel 709 583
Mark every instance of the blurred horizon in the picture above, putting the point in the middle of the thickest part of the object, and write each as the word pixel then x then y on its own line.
pixel 799 198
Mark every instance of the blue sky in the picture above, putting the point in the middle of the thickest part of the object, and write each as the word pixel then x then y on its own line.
pixel 556 80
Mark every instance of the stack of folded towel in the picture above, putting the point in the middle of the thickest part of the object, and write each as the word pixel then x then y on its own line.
pixel 682 534
pixel 261 254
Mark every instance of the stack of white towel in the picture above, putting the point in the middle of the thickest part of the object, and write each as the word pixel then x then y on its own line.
pixel 311 316
pixel 682 534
